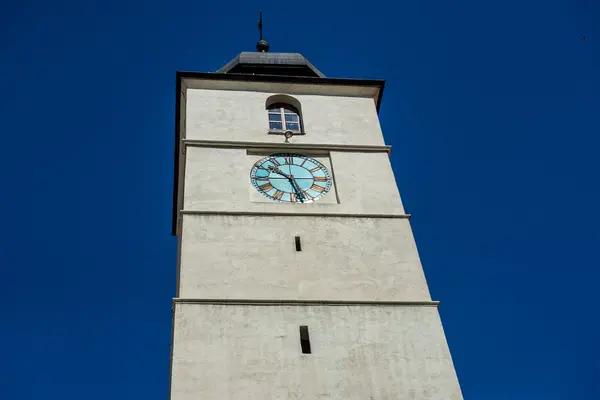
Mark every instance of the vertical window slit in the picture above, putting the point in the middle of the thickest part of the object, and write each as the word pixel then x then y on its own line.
pixel 304 339
pixel 298 244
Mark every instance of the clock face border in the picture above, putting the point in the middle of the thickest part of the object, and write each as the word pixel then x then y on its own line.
pixel 315 182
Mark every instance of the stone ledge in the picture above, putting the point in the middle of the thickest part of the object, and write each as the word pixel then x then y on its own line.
pixel 292 214
pixel 264 302
pixel 283 147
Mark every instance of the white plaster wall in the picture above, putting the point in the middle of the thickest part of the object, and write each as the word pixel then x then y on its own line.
pixel 254 257
pixel 241 116
pixel 218 179
pixel 229 352
pixel 235 352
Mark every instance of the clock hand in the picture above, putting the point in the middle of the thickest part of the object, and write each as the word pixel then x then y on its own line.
pixel 295 185
pixel 278 171
pixel 293 182
pixel 297 189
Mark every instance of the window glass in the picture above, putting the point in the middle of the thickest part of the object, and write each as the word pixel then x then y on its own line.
pixel 293 126
pixel 275 125
pixel 284 117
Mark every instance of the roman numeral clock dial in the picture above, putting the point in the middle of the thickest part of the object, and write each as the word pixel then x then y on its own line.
pixel 290 178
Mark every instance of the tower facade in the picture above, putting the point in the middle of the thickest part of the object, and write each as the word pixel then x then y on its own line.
pixel 298 276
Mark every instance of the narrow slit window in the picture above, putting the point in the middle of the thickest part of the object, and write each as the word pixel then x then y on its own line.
pixel 298 244
pixel 304 339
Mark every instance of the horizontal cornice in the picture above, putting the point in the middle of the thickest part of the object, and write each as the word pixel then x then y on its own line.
pixel 292 214
pixel 191 77
pixel 286 146
pixel 265 302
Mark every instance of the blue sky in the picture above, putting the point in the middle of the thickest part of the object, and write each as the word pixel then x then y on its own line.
pixel 492 109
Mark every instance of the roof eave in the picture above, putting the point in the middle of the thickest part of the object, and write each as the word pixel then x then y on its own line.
pixel 272 60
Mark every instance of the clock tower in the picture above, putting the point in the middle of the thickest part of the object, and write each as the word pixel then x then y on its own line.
pixel 298 276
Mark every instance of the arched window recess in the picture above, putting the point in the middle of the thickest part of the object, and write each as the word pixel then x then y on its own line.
pixel 284 115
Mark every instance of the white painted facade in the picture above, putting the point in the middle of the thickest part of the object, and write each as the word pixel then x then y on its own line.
pixel 214 114
pixel 243 289
pixel 342 258
pixel 358 352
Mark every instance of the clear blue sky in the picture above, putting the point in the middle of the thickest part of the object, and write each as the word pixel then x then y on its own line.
pixel 492 109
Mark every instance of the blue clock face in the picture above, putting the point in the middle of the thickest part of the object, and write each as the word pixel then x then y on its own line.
pixel 290 178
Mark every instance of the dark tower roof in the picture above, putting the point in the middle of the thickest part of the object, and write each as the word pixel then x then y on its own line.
pixel 263 63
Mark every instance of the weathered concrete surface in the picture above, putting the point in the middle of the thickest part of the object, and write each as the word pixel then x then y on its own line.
pixel 235 352
pixel 341 259
pixel 240 352
pixel 218 179
pixel 241 116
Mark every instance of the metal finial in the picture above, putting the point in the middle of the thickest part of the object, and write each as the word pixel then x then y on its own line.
pixel 262 45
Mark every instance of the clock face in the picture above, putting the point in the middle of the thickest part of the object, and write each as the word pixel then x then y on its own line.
pixel 290 178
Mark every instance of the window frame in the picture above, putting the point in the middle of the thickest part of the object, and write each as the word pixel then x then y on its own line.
pixel 280 109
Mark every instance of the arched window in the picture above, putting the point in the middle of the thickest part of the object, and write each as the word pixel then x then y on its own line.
pixel 284 117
